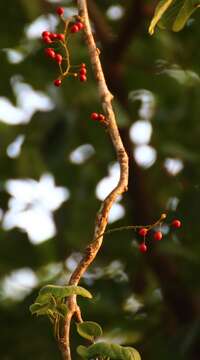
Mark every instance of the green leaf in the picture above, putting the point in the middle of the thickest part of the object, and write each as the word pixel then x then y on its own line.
pixel 112 351
pixel 41 309
pixel 159 11
pixel 43 299
pixel 46 309
pixel 89 330
pixel 64 291
pixel 186 11
pixel 173 14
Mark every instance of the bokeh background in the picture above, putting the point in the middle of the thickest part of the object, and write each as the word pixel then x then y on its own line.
pixel 57 165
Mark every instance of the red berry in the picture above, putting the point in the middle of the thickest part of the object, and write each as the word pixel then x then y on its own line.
pixel 143 232
pixel 83 78
pixel 50 52
pixel 58 58
pixel 61 37
pixel 57 82
pixel 45 33
pixel 80 25
pixel 101 117
pixel 176 224
pixel 53 36
pixel 60 11
pixel 83 71
pixel 143 248
pixel 158 236
pixel 83 65
pixel 94 116
pixel 47 40
pixel 74 28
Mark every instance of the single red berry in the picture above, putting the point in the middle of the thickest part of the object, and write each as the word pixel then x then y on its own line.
pixel 143 232
pixel 61 37
pixel 94 116
pixel 53 36
pixel 101 117
pixel 80 25
pixel 176 224
pixel 60 11
pixel 83 71
pixel 57 82
pixel 143 248
pixel 58 58
pixel 158 236
pixel 50 53
pixel 74 28
pixel 47 40
pixel 45 33
pixel 83 65
pixel 83 78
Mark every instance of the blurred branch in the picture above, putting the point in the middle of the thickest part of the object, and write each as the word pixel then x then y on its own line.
pixel 130 26
pixel 103 30
pixel 102 216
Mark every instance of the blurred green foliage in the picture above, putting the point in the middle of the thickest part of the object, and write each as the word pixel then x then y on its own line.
pixel 150 302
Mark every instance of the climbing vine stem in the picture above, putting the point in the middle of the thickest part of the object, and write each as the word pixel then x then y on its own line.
pixel 122 186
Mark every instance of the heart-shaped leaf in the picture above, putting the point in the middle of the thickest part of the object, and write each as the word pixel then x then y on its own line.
pixel 42 309
pixel 64 291
pixel 89 330
pixel 112 351
pixel 49 308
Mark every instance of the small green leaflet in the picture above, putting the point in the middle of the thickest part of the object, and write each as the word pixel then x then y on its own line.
pixel 49 300
pixel 189 6
pixel 64 291
pixel 173 14
pixel 112 351
pixel 48 309
pixel 159 11
pixel 89 330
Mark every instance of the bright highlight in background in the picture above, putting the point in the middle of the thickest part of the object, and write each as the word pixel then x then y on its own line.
pixel 81 154
pixel 31 206
pixel 105 186
pixel 173 166
pixel 140 132
pixel 115 12
pixel 28 102
pixel 145 155
pixel 14 149
pixel 19 284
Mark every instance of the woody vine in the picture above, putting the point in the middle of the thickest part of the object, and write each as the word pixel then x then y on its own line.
pixel 59 303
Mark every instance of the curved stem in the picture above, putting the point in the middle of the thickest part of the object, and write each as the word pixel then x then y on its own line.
pixel 122 186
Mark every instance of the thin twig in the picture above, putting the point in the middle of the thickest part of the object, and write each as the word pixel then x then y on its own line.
pixel 122 186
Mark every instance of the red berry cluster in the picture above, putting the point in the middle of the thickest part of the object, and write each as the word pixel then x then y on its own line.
pixel 63 58
pixel 98 117
pixel 157 235
pixel 76 27
pixel 55 56
pixel 49 37
pixel 83 73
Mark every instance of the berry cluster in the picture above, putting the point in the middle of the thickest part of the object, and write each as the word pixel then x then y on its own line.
pixel 157 235
pixel 49 37
pixel 78 26
pixel 82 73
pixel 62 57
pixel 53 55
pixel 98 117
